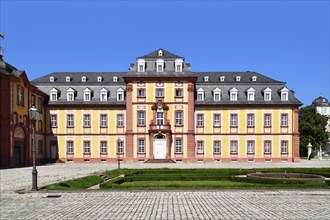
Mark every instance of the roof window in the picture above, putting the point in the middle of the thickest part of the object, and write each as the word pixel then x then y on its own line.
pixel 67 78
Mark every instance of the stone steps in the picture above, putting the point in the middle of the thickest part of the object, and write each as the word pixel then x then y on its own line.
pixel 159 161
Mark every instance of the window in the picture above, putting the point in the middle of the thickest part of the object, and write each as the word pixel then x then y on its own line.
pixel 70 94
pixel 99 78
pixel 115 79
pixel 40 148
pixel 103 148
pixel 284 146
pixel 120 95
pixel 217 94
pixel 87 147
pixel 178 145
pixel 178 118
pixel 267 147
pixel 250 94
pixel 141 65
pixel 141 93
pixel 83 79
pixel 141 117
pixel 20 96
pixel 87 94
pixel 216 120
pixel 120 147
pixel 254 78
pixel 222 78
pixel 267 120
pixel 70 120
pixel 120 120
pixel 40 104
pixel 159 93
pixel 200 120
pixel 141 146
pixel 160 65
pixel 250 120
pixel 200 147
pixel 233 120
pixel 103 94
pixel 250 147
pixel 15 119
pixel 87 120
pixel 216 147
pixel 284 94
pixel 284 120
pixel 233 147
pixel 200 94
pixel 33 101
pixel 53 94
pixel 70 149
pixel 178 93
pixel 206 78
pixel 238 78
pixel 160 53
pixel 104 120
pixel 51 79
pixel 160 118
pixel 233 94
pixel 267 94
pixel 67 78
pixel 53 121
pixel 178 65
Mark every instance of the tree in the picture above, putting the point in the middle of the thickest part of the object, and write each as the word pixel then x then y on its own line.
pixel 312 129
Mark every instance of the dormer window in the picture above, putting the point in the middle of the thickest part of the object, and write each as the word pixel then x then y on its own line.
pixel 103 95
pixel 160 65
pixel 51 79
pixel 87 94
pixel 53 94
pixel 160 53
pixel 250 94
pixel 67 79
pixel 141 65
pixel 217 94
pixel 83 79
pixel 120 94
pixel 206 78
pixel 178 65
pixel 267 94
pixel 222 78
pixel 200 94
pixel 115 79
pixel 99 78
pixel 70 95
pixel 233 94
pixel 238 78
pixel 284 94
pixel 254 78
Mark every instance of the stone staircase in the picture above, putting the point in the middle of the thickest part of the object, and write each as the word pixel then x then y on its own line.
pixel 159 161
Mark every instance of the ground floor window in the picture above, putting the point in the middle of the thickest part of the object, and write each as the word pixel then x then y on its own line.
pixel 120 146
pixel 200 147
pixel 250 147
pixel 233 147
pixel 216 147
pixel 178 146
pixel 141 146
pixel 103 147
pixel 87 147
pixel 284 146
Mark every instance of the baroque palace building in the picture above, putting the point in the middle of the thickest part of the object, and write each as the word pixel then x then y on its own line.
pixel 160 109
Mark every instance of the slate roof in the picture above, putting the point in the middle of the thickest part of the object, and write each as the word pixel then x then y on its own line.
pixel 321 101
pixel 166 55
pixel 7 69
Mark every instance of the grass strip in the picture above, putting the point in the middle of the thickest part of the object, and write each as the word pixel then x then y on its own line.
pixel 76 184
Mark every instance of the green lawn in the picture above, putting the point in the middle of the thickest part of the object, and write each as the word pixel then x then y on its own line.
pixel 172 179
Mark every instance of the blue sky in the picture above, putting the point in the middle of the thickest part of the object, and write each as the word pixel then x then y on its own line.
pixel 285 40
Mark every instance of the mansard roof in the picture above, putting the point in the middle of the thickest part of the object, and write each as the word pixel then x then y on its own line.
pixel 166 55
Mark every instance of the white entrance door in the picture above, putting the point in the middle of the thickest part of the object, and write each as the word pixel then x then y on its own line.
pixel 53 152
pixel 160 149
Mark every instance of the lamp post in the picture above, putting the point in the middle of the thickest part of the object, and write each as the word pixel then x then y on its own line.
pixel 33 116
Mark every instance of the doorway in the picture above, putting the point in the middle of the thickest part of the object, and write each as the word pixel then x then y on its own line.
pixel 19 153
pixel 160 148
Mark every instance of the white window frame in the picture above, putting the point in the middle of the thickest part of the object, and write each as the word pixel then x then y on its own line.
pixel 87 147
pixel 178 146
pixel 250 147
pixel 267 94
pixel 120 95
pixel 222 78
pixel 233 96
pixel 233 147
pixel 160 118
pixel 238 78
pixel 70 96
pixel 87 95
pixel 67 79
pixel 160 65
pixel 115 78
pixel 285 145
pixel 206 78
pixel 267 147
pixel 284 94
pixel 99 78
pixel 103 120
pixel 254 78
pixel 51 79
pixel 103 95
pixel 217 94
pixel 178 117
pixel 200 94
pixel 103 147
pixel 200 147
pixel 53 120
pixel 178 65
pixel 141 146
pixel 251 94
pixel 250 120
pixel 216 147
pixel 83 79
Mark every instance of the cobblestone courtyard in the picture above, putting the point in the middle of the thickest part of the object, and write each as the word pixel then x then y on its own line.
pixel 221 204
